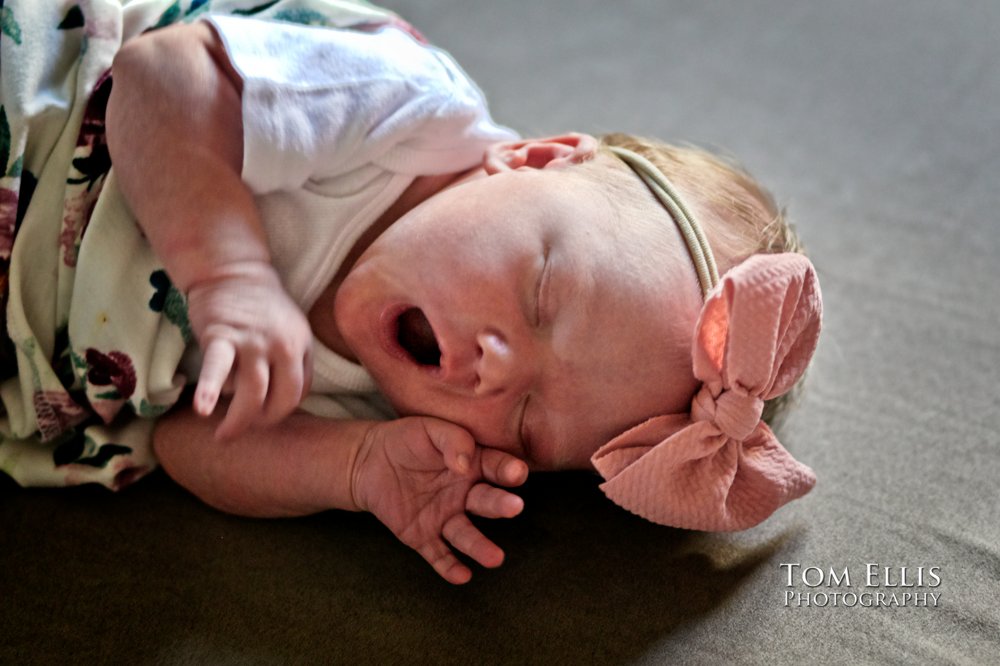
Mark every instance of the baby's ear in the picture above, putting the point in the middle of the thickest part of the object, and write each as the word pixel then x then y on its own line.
pixel 571 148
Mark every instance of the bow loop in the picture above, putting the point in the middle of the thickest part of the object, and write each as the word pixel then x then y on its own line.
pixel 720 467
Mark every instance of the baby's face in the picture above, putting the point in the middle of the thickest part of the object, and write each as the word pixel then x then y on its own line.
pixel 522 307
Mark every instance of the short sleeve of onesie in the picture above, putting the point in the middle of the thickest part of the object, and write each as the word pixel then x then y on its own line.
pixel 320 102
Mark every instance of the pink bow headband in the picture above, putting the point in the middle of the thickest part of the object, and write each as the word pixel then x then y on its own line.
pixel 720 467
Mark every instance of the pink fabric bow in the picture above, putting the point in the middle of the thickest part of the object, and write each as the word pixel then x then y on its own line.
pixel 720 467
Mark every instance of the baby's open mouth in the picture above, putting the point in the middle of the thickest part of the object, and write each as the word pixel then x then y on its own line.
pixel 416 337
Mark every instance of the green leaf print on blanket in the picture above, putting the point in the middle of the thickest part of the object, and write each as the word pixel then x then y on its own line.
pixel 8 25
pixel 171 15
pixel 197 6
pixel 148 410
pixel 4 139
pixel 81 449
pixel 170 302
pixel 255 10
pixel 303 17
pixel 175 12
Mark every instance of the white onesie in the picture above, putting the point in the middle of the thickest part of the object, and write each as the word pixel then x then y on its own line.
pixel 337 124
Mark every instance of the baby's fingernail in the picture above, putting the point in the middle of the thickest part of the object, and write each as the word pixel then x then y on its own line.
pixel 516 470
pixel 462 463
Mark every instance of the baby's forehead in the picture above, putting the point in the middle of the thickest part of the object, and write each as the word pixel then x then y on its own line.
pixel 628 234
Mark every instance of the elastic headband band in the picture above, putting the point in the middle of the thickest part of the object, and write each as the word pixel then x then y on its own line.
pixel 697 244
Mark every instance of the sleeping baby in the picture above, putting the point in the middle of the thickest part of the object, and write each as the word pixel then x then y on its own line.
pixel 320 276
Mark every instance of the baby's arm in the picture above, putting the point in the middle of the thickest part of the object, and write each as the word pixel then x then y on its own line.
pixel 419 476
pixel 174 127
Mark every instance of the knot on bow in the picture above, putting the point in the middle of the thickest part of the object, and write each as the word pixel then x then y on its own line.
pixel 733 411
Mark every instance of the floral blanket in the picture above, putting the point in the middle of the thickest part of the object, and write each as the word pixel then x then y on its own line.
pixel 93 330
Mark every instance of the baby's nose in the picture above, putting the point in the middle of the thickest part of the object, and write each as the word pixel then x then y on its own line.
pixel 496 367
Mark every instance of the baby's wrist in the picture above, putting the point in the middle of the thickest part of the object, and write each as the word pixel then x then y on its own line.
pixel 257 271
pixel 358 474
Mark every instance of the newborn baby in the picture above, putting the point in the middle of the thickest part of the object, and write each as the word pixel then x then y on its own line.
pixel 335 210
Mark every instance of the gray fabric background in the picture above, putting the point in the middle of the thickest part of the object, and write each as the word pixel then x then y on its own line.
pixel 876 123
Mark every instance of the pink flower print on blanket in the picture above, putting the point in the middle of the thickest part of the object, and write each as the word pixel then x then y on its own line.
pixel 8 217
pixel 91 164
pixel 115 375
pixel 56 413
pixel 76 214
pixel 11 171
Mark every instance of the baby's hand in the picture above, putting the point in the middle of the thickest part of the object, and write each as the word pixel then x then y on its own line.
pixel 421 476
pixel 252 333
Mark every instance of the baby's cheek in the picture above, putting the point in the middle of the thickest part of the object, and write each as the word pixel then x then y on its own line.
pixel 572 454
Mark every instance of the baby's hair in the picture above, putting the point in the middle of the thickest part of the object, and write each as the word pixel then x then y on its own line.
pixel 739 216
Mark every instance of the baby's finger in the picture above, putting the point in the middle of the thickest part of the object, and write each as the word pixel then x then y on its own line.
pixel 284 392
pixel 463 535
pixel 251 391
pixel 216 364
pixel 307 373
pixel 492 502
pixel 453 442
pixel 503 469
pixel 439 556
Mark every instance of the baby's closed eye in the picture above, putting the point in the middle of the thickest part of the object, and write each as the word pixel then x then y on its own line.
pixel 541 289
